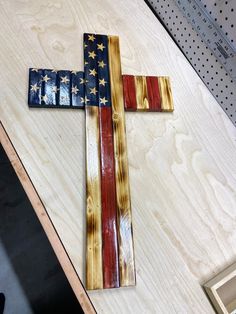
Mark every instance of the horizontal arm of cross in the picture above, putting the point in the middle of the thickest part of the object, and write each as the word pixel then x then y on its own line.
pixel 65 89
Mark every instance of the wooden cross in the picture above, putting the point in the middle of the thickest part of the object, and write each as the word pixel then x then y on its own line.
pixel 104 94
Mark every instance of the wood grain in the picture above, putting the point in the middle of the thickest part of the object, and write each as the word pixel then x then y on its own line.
pixel 109 204
pixel 181 164
pixel 129 92
pixel 94 271
pixel 94 268
pixel 165 93
pixel 108 183
pixel 124 219
pixel 141 93
pixel 154 99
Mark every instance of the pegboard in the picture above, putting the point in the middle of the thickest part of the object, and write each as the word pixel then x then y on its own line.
pixel 211 71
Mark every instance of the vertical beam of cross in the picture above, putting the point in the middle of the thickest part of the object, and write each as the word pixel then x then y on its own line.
pixel 98 95
pixel 101 53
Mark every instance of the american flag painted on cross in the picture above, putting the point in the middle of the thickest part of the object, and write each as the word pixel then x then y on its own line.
pixel 104 94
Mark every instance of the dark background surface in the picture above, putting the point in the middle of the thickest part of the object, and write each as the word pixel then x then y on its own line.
pixel 30 275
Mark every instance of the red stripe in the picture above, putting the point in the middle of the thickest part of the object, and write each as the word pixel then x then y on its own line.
pixel 109 204
pixel 129 93
pixel 154 98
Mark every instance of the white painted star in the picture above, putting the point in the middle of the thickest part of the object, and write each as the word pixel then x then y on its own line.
pixel 45 78
pixel 64 79
pixel 101 64
pixel 101 46
pixel 84 100
pixel 34 87
pixel 102 82
pixel 93 90
pixel 92 72
pixel 92 54
pixel 74 90
pixel 91 37
pixel 103 100
pixel 83 81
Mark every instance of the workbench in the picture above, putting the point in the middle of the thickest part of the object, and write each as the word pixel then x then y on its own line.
pixel 181 165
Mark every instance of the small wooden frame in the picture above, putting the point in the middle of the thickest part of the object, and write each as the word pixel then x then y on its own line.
pixel 222 291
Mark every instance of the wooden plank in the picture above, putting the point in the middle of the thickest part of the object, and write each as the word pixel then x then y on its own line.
pixel 165 93
pixel 77 89
pixel 141 93
pixel 64 97
pixel 109 205
pixel 49 82
pixel 108 183
pixel 46 223
pixel 94 277
pixel 126 254
pixel 94 272
pixel 35 87
pixel 129 93
pixel 154 98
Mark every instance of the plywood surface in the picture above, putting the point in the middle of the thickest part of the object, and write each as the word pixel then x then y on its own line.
pixel 181 165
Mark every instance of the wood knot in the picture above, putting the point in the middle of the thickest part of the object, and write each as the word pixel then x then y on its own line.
pixel 115 116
